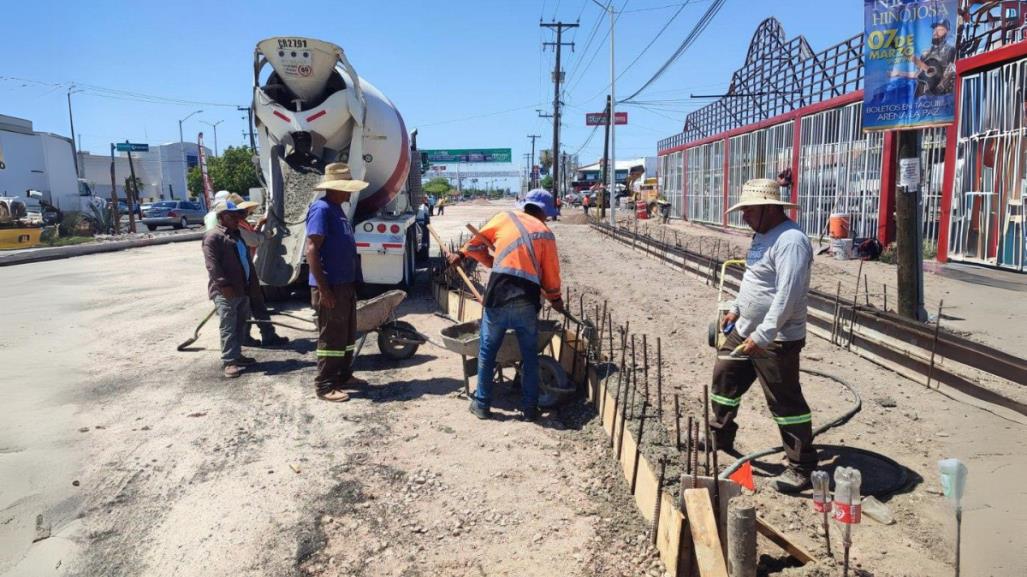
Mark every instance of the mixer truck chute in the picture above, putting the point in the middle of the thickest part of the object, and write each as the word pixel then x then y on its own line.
pixel 313 109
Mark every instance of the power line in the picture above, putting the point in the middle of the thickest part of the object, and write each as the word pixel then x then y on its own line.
pixel 697 30
pixel 115 93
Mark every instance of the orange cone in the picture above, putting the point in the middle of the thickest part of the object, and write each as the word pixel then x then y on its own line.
pixel 743 476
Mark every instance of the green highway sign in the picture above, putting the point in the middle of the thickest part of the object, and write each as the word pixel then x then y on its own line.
pixel 469 155
pixel 133 147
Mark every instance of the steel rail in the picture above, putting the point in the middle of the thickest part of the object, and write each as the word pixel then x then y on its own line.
pixel 950 347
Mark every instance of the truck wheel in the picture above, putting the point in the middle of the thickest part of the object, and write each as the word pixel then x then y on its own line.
pixel 394 340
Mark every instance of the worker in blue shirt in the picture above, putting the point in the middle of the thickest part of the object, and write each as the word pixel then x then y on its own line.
pixel 334 274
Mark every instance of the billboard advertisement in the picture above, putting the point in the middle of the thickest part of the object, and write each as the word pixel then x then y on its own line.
pixel 909 58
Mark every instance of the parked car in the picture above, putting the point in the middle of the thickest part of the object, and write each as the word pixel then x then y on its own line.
pixel 173 213
pixel 123 209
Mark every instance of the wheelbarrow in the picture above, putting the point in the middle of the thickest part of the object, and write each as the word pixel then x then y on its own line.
pixel 464 339
pixel 397 339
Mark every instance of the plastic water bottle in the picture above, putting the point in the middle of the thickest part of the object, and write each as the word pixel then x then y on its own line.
pixel 847 506
pixel 822 501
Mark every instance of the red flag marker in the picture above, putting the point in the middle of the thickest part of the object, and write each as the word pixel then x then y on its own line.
pixel 743 476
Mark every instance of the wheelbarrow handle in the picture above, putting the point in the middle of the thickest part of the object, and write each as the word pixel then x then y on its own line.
pixel 460 271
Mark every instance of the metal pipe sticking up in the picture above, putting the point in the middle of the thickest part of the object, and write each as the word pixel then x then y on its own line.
pixel 638 446
pixel 677 422
pixel 645 366
pixel 655 531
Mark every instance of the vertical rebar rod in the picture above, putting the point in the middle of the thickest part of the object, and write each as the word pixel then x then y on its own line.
pixel 695 456
pixel 689 446
pixel 638 446
pixel 645 366
pixel 706 425
pixel 618 401
pixel 677 422
pixel 716 482
pixel 855 295
pixel 866 287
pixel 837 312
pixel 659 379
pixel 934 343
pixel 885 285
pixel 654 534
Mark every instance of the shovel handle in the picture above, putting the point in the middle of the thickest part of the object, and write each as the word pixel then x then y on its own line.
pixel 460 271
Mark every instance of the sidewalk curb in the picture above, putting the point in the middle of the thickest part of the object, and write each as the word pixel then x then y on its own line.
pixel 56 253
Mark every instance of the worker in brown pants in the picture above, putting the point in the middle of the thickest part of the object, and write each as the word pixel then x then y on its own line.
pixel 778 372
pixel 766 330
pixel 334 274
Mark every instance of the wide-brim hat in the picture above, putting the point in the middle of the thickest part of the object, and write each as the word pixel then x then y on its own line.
pixel 226 206
pixel 339 177
pixel 761 192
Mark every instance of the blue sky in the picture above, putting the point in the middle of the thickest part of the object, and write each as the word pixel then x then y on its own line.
pixel 466 74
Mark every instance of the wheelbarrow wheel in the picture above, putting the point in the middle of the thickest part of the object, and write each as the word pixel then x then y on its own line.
pixel 394 341
pixel 554 387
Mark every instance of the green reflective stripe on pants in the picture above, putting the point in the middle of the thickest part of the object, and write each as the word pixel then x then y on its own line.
pixel 796 420
pixel 726 401
pixel 331 353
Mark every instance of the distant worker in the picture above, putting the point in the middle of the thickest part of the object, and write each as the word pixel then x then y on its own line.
pixel 431 205
pixel 768 327
pixel 527 270
pixel 423 219
pixel 441 206
pixel 586 202
pixel 230 279
pixel 334 274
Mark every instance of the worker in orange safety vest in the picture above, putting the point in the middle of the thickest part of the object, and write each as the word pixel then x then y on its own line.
pixel 525 269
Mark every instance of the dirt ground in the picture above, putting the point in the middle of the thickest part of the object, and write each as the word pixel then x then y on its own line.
pixel 899 419
pixel 142 461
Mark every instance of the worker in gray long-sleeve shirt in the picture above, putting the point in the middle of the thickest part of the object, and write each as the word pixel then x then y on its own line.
pixel 769 330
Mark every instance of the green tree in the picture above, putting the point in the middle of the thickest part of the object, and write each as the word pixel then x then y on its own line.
pixel 547 182
pixel 233 171
pixel 134 188
pixel 437 186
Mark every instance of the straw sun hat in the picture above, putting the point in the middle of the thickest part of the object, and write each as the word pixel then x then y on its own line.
pixel 338 177
pixel 761 191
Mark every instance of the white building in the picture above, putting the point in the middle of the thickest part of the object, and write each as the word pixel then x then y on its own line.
pixel 162 170
pixel 31 160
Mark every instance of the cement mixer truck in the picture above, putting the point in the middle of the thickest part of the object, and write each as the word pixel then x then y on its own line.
pixel 311 108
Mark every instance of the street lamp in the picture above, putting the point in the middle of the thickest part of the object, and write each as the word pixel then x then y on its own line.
pixel 181 148
pixel 214 125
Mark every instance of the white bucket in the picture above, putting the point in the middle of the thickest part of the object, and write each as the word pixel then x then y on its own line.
pixel 842 248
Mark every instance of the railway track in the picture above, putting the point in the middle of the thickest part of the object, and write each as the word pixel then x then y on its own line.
pixel 914 350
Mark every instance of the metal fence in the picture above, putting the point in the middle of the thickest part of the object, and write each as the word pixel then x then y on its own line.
pixel 932 167
pixel 759 154
pixel 671 181
pixel 839 171
pixel 987 223
pixel 706 182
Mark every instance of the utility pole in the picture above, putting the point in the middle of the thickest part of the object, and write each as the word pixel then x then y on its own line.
pixel 908 245
pixel 115 217
pixel 606 162
pixel 249 125
pixel 557 77
pixel 214 125
pixel 71 120
pixel 531 174
pixel 133 196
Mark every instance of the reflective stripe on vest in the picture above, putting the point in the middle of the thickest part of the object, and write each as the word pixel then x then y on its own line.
pixel 526 240
pixel 795 420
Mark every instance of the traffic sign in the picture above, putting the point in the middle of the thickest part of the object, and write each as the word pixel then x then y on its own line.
pixel 602 118
pixel 469 155
pixel 132 147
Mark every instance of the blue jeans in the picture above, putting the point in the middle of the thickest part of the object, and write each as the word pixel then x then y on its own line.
pixel 523 318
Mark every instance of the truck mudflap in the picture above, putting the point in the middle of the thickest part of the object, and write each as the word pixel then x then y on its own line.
pixel 290 192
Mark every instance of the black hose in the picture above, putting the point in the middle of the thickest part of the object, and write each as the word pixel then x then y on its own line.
pixel 837 422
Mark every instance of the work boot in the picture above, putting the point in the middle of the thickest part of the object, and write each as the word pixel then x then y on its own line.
pixel 791 481
pixel 482 413
pixel 723 444
pixel 528 415
pixel 244 360
pixel 231 371
pixel 274 340
pixel 249 341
